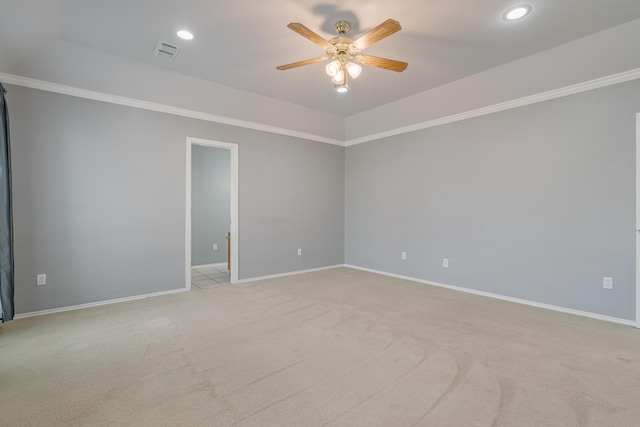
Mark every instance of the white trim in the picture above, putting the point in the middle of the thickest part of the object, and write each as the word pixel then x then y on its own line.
pixel 131 102
pixel 219 264
pixel 187 220
pixel 636 231
pixel 291 273
pixel 152 106
pixel 504 298
pixel 97 304
pixel 521 102
pixel 233 148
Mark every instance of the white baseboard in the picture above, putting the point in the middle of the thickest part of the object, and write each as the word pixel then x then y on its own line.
pixel 505 298
pixel 97 304
pixel 292 273
pixel 219 264
pixel 398 276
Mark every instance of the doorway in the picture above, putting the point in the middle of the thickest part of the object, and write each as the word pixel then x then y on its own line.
pixel 226 244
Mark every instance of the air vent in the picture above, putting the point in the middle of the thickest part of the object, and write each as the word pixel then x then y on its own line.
pixel 166 51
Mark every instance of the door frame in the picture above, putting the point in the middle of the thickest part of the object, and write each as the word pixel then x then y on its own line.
pixel 235 258
pixel 637 231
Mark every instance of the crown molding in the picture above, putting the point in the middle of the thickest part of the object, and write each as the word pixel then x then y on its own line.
pixel 520 102
pixel 162 108
pixel 152 106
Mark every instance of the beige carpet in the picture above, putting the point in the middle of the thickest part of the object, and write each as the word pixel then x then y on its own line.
pixel 338 347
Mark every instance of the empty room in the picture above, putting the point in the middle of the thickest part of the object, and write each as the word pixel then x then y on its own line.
pixel 302 213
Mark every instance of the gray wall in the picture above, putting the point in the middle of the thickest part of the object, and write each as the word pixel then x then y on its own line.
pixel 535 203
pixel 210 203
pixel 292 198
pixel 99 199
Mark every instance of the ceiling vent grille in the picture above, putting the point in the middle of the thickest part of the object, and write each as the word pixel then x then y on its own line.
pixel 166 51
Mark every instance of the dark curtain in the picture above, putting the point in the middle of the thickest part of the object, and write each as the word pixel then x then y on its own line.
pixel 6 220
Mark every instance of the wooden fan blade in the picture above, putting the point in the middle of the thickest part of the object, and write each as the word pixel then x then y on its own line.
pixel 301 63
pixel 387 64
pixel 376 34
pixel 310 35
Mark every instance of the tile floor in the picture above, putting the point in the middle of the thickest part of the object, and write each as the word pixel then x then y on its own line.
pixel 209 277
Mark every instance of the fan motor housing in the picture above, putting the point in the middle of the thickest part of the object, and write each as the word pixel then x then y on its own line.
pixel 342 27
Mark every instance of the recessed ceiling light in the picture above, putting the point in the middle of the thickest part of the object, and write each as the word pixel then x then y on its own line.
pixel 517 12
pixel 184 34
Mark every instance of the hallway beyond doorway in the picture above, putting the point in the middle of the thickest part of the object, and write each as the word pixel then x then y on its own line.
pixel 209 276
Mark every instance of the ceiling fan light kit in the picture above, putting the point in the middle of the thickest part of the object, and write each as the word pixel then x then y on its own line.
pixel 341 88
pixel 344 52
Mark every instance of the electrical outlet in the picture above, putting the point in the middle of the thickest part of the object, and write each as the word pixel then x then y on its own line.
pixel 445 262
pixel 299 251
pixel 404 255
pixel 607 282
pixel 41 279
pixel 215 246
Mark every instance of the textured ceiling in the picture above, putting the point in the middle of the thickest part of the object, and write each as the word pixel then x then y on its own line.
pixel 240 43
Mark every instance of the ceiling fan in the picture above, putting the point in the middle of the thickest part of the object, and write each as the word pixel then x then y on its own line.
pixel 344 52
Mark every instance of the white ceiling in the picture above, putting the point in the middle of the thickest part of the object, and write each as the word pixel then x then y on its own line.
pixel 239 43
